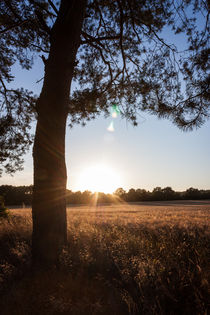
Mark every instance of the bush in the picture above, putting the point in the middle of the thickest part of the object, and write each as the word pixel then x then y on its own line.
pixel 3 209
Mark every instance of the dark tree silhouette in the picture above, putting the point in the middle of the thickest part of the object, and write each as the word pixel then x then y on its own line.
pixel 120 192
pixel 116 53
pixel 193 193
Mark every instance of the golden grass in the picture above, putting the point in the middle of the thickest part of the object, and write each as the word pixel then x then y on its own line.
pixel 147 258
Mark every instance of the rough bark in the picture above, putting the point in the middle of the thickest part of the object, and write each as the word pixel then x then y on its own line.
pixel 49 204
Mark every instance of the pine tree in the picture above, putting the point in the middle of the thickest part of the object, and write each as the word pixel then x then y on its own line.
pixel 116 53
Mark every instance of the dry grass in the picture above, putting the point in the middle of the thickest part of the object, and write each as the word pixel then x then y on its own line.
pixel 122 259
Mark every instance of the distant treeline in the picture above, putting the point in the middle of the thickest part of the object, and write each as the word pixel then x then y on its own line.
pixel 16 195
pixel 22 195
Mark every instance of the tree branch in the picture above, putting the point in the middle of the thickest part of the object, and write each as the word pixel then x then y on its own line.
pixel 41 49
pixel 121 38
pixel 13 26
pixel 53 6
pixel 98 39
pixel 102 57
pixel 42 8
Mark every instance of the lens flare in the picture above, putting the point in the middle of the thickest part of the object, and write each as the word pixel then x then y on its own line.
pixel 115 111
pixel 114 115
pixel 111 127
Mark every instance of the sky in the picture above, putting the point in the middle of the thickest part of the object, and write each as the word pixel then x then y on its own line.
pixel 155 153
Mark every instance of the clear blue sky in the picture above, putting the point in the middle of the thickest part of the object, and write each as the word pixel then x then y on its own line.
pixel 155 153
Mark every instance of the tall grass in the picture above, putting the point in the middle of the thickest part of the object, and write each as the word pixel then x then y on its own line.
pixel 122 259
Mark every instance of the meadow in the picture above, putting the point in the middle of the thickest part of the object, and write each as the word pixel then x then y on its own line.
pixel 146 258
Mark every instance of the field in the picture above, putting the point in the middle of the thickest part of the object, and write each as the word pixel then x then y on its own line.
pixel 148 258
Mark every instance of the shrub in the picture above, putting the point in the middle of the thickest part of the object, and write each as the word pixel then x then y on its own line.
pixel 3 209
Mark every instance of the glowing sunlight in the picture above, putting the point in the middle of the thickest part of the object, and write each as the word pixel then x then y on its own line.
pixel 99 178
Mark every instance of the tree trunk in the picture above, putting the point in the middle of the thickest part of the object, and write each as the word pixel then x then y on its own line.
pixel 49 204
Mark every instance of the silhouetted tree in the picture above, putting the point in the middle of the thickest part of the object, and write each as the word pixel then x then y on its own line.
pixel 115 52
pixel 143 195
pixel 86 197
pixel 168 193
pixel 120 192
pixel 157 193
pixel 131 195
pixel 192 193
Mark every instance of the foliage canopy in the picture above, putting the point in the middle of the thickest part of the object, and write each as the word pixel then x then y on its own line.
pixel 126 56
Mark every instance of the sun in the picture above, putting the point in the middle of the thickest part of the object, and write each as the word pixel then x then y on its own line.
pixel 99 178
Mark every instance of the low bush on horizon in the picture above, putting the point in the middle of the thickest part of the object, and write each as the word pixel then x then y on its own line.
pixel 119 260
pixel 3 210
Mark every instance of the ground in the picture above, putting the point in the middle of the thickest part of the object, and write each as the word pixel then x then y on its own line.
pixel 145 258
